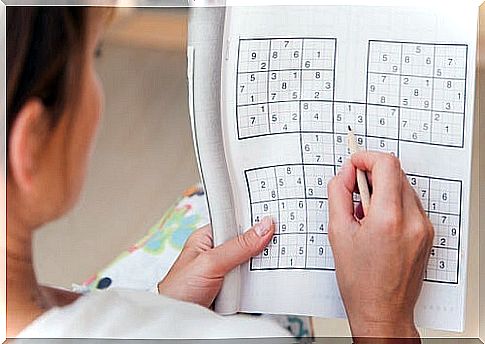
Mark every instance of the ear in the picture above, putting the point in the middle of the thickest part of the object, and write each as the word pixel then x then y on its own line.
pixel 26 137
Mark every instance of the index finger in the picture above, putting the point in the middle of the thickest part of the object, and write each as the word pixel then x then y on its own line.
pixel 386 177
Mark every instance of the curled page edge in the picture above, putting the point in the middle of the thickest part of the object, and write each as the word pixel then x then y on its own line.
pixel 204 55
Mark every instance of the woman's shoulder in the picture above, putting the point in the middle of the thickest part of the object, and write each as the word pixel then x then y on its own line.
pixel 138 314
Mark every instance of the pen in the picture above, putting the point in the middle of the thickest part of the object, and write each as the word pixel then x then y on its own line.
pixel 361 176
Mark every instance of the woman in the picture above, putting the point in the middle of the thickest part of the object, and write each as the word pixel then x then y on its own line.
pixel 53 107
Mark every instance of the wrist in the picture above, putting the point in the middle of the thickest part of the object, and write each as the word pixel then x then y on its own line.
pixel 385 332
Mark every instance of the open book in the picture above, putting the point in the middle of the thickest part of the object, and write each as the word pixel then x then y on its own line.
pixel 272 91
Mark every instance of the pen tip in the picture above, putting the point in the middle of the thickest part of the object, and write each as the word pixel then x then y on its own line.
pixel 350 129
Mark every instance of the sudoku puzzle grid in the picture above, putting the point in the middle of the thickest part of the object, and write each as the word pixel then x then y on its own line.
pixel 415 92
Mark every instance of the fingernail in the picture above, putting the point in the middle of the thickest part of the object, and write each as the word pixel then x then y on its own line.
pixel 264 226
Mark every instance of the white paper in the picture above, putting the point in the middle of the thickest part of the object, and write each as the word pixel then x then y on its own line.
pixel 408 75
pixel 204 64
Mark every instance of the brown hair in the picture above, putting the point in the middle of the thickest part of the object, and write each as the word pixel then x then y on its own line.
pixel 44 54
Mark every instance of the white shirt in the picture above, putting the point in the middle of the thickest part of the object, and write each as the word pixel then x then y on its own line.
pixel 137 314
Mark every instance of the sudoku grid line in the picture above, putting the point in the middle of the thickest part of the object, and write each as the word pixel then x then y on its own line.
pixel 429 81
pixel 295 195
pixel 262 84
pixel 423 82
pixel 415 92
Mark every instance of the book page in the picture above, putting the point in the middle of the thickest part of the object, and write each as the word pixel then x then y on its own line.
pixel 294 79
pixel 204 73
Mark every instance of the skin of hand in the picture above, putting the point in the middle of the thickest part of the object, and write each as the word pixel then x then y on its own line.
pixel 199 271
pixel 379 260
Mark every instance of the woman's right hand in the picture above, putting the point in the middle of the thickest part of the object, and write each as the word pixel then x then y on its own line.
pixel 379 260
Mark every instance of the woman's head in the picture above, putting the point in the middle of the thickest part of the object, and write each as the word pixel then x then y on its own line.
pixel 54 102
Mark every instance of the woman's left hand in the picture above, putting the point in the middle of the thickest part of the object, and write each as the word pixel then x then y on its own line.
pixel 199 271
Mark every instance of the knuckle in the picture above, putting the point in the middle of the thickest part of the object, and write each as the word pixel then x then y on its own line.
pixel 244 241
pixel 206 241
pixel 422 230
pixel 391 161
pixel 201 238
pixel 391 220
pixel 191 240
pixel 248 244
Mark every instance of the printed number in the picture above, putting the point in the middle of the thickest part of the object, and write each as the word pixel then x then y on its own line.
pixel 444 196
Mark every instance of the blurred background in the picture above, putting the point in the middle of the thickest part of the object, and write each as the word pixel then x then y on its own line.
pixel 144 159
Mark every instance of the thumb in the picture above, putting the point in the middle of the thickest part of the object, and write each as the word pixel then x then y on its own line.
pixel 234 252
